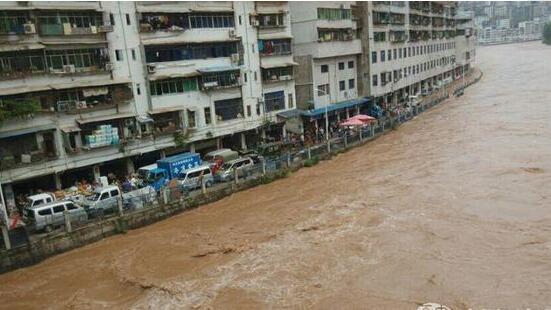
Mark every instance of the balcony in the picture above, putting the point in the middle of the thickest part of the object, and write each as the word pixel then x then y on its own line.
pixel 19 63
pixel 214 78
pixel 275 47
pixel 398 36
pixel 16 23
pixel 276 74
pixel 178 22
pixel 28 146
pixel 267 21
pixel 381 18
pixel 61 23
pixel 329 35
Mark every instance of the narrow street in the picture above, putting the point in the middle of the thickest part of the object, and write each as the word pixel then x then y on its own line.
pixel 453 207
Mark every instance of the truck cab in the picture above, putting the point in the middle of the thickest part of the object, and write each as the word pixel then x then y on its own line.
pixel 156 178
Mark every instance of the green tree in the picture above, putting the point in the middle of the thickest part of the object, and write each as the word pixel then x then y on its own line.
pixel 547 34
pixel 17 108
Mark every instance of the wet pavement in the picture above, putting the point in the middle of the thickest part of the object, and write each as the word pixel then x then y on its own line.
pixel 453 207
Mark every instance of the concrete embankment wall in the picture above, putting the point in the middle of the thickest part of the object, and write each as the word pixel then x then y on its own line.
pixel 53 244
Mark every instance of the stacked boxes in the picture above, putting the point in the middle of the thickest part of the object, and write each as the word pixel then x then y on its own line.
pixel 104 135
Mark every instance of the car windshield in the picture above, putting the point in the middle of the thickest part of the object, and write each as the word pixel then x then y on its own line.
pixel 94 197
pixel 226 166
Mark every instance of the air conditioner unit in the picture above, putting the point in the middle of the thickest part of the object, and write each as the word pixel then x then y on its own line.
pixel 29 28
pixel 210 84
pixel 69 69
pixel 81 105
pixel 105 28
pixel 151 68
pixel 255 22
pixel 285 78
pixel 231 33
pixel 235 58
pixel 93 29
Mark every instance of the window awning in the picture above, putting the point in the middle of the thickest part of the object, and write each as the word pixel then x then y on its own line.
pixel 74 44
pixel 104 118
pixel 217 69
pixel 75 84
pixel 70 129
pixel 20 47
pixel 166 110
pixel 172 75
pixel 276 35
pixel 157 7
pixel 19 132
pixel 276 64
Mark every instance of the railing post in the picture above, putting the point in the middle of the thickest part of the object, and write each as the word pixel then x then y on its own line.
pixel 235 175
pixel 328 146
pixel 68 227
pixel 119 205
pixel 345 140
pixel 372 130
pixel 309 152
pixel 203 186
pixel 6 237
pixel 361 134
pixel 263 167
pixel 288 160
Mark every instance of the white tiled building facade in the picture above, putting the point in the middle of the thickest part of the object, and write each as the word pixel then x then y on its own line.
pixel 211 74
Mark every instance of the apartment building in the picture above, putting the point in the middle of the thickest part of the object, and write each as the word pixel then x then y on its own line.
pixel 407 48
pixel 99 87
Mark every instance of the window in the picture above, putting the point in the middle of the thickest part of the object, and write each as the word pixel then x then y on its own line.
pixel 249 111
pixel 71 206
pixel 112 19
pixel 228 109
pixel 173 86
pixel 274 101
pixel 245 77
pixel 342 85
pixel 118 55
pixel 274 47
pixel 350 65
pixel 334 14
pixel 188 51
pixel 409 51
pixel 291 104
pixel 209 20
pixel 373 57
pixel 45 212
pixel 114 193
pixel 240 22
pixel 323 90
pixel 341 65
pixel 252 48
pixel 382 56
pixel 405 54
pixel 374 79
pixel 138 89
pixel 383 78
pixel 389 54
pixel 395 56
pixel 191 119
pixel 324 68
pixel 104 196
pixel 220 79
pixel 133 51
pixel 128 19
pixel 399 53
pixel 207 116
pixel 257 109
pixel 255 76
pixel 351 84
pixel 379 36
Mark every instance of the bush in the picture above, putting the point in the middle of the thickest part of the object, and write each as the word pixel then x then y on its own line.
pixel 312 161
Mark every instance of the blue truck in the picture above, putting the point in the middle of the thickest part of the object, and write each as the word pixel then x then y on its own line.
pixel 168 168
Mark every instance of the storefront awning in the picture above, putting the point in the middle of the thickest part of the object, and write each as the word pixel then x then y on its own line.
pixel 217 69
pixel 166 110
pixel 10 47
pixel 290 113
pixel 19 132
pixel 320 112
pixel 104 118
pixel 270 65
pixel 84 83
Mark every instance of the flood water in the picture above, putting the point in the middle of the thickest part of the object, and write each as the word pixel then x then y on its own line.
pixel 454 208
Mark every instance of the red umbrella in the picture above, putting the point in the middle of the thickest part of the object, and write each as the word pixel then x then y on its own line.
pixel 363 118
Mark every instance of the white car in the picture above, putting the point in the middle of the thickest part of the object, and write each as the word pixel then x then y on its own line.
pixel 243 166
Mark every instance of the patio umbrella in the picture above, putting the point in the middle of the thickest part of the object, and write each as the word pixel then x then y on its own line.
pixel 363 118
pixel 351 122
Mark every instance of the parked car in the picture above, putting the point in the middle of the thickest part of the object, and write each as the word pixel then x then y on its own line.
pixel 257 158
pixel 191 179
pixel 226 172
pixel 217 158
pixel 51 215
pixel 105 199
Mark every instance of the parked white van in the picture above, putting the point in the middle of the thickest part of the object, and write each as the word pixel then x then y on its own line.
pixel 49 216
pixel 39 199
pixel 191 179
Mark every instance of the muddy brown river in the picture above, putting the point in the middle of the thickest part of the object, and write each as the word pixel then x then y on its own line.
pixel 453 207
